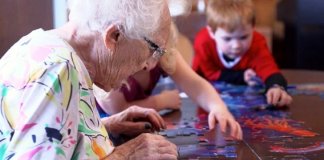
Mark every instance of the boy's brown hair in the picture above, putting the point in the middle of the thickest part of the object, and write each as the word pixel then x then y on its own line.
pixel 229 14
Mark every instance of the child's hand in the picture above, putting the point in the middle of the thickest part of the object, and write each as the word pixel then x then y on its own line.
pixel 277 96
pixel 169 99
pixel 226 122
pixel 249 74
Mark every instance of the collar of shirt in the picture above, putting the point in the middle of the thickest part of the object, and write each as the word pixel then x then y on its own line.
pixel 226 61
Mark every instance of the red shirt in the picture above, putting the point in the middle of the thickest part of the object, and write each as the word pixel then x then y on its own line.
pixel 207 62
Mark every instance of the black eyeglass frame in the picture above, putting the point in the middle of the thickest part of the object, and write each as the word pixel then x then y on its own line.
pixel 158 51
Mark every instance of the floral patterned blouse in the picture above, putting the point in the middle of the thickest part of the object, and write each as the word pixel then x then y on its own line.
pixel 47 105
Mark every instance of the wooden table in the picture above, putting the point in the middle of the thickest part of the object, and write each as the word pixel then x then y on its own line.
pixel 306 113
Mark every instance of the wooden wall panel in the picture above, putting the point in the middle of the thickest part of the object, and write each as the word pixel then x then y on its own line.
pixel 19 17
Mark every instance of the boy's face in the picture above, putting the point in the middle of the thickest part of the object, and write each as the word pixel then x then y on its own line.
pixel 236 43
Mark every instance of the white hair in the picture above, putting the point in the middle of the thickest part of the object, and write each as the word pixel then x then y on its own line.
pixel 137 18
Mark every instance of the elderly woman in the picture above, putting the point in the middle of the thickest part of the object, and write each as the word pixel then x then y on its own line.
pixel 47 106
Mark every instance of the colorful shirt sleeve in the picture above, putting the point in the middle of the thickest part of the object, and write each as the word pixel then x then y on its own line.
pixel 50 114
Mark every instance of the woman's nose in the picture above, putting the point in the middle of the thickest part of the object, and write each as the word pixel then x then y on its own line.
pixel 150 64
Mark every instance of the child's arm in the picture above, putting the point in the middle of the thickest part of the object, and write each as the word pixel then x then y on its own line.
pixel 275 79
pixel 266 68
pixel 115 101
pixel 201 92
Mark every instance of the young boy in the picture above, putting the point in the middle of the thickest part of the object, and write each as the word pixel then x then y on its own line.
pixel 229 50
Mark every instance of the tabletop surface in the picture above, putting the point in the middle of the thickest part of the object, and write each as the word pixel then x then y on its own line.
pixel 291 133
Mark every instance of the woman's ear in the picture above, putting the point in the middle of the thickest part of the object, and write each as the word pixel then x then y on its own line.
pixel 111 36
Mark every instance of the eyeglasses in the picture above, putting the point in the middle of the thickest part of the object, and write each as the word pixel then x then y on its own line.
pixel 157 51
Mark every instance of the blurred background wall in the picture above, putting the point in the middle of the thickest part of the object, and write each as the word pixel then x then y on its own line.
pixel 19 17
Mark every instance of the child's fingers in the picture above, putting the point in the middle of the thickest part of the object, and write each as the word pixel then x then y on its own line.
pixel 276 98
pixel 222 124
pixel 234 129
pixel 211 121
pixel 269 96
pixel 239 134
pixel 285 99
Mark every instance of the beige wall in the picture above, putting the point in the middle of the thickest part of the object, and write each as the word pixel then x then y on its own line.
pixel 265 11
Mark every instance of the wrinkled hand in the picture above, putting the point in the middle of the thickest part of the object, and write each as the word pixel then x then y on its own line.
pixel 278 97
pixel 227 123
pixel 169 99
pixel 249 74
pixel 134 121
pixel 146 147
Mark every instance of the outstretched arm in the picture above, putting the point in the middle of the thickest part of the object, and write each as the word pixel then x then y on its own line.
pixel 206 96
pixel 115 102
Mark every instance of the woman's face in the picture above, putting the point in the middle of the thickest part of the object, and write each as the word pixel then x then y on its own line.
pixel 131 56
